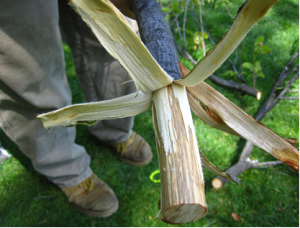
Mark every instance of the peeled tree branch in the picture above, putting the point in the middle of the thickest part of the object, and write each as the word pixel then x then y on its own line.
pixel 156 74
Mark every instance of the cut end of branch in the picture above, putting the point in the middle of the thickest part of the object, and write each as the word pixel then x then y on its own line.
pixel 258 95
pixel 216 183
pixel 178 214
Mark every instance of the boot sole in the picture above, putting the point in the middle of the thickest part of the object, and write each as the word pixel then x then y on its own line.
pixel 97 213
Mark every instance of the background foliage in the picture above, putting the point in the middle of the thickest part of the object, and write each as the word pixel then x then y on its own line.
pixel 266 197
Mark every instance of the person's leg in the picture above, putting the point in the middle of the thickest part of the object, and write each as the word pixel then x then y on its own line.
pixel 103 78
pixel 32 81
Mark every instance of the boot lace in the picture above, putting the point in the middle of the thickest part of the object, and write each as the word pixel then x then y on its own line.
pixel 88 184
pixel 122 146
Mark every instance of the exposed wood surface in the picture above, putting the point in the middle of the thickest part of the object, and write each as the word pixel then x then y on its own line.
pixel 90 113
pixel 214 169
pixel 249 14
pixel 118 38
pixel 246 126
pixel 182 194
pixel 205 114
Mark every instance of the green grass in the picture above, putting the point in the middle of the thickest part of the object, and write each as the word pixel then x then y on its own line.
pixel 257 200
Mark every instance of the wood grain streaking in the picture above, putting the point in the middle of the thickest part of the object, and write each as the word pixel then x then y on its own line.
pixel 182 186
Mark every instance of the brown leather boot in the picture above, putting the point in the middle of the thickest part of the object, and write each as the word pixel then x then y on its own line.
pixel 134 151
pixel 93 197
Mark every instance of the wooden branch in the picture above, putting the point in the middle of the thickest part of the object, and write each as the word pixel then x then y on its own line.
pixel 156 35
pixel 182 183
pixel 289 63
pixel 227 10
pixel 243 88
pixel 235 170
pixel 289 98
pixel 202 30
pixel 264 165
pixel 274 91
pixel 184 20
pixel 241 77
pixel 284 91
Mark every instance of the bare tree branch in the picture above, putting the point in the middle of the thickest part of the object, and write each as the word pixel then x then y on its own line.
pixel 264 165
pixel 184 20
pixel 274 91
pixel 202 31
pixel 240 76
pixel 286 67
pixel 228 10
pixel 178 27
pixel 289 98
pixel 233 85
pixel 160 4
pixel 234 68
pixel 284 91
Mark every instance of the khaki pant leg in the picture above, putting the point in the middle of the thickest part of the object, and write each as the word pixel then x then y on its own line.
pixel 101 76
pixel 32 81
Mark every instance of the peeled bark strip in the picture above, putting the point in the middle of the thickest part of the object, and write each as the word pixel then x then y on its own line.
pixel 91 113
pixel 182 183
pixel 206 115
pixel 249 14
pixel 117 37
pixel 246 125
pixel 214 169
pixel 223 114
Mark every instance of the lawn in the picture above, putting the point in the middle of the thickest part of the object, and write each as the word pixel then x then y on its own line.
pixel 265 197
